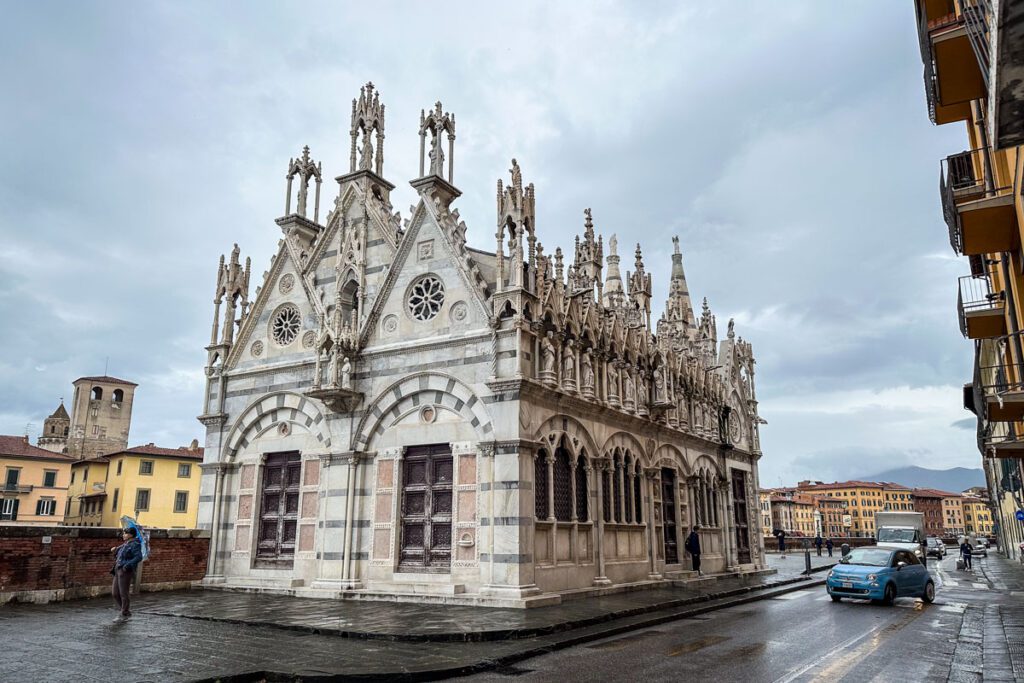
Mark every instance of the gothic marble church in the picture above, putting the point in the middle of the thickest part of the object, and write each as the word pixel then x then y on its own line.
pixel 397 415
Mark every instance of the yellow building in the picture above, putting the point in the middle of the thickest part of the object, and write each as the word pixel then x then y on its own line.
pixel 977 516
pixel 972 65
pixel 159 487
pixel 897 497
pixel 764 499
pixel 35 483
pixel 953 515
pixel 863 499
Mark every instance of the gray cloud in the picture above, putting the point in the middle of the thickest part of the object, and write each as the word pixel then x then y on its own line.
pixel 790 152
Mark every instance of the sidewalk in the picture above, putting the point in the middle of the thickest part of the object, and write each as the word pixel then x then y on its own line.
pixel 207 635
pixel 793 563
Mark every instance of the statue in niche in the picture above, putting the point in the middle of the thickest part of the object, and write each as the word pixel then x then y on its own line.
pixel 629 386
pixel 732 331
pixel 613 380
pixel 436 156
pixel 587 372
pixel 346 374
pixel 660 391
pixel 548 352
pixel 568 363
pixel 366 153
pixel 332 368
pixel 643 390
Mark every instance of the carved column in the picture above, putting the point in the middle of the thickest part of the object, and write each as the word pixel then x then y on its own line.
pixel 651 475
pixel 212 563
pixel 600 467
pixel 347 578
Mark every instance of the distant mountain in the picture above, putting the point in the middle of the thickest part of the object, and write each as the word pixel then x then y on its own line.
pixel 955 479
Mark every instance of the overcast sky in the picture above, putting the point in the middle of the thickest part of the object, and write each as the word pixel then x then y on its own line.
pixel 786 143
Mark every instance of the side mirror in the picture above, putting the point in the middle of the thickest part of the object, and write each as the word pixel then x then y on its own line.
pixel 900 565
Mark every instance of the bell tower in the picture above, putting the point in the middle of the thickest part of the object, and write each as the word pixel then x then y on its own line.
pixel 56 429
pixel 101 416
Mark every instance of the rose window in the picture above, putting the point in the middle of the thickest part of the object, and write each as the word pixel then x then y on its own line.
pixel 426 297
pixel 285 325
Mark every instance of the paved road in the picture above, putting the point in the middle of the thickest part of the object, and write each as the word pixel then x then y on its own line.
pixel 803 636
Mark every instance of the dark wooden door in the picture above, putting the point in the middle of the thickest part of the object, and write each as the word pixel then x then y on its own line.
pixel 279 506
pixel 668 502
pixel 739 509
pixel 426 509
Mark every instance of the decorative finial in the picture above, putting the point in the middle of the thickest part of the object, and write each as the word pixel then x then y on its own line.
pixel 613 245
pixel 675 244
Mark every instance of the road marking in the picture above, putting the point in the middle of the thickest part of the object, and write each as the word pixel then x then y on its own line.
pixel 980 586
pixel 824 598
pixel 842 657
pixel 694 645
pixel 791 596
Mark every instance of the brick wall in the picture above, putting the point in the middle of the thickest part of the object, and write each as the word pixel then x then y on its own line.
pixel 77 561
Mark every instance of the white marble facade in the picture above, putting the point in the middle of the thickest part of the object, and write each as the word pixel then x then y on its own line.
pixel 397 415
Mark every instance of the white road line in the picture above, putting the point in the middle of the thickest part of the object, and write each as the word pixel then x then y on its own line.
pixel 980 586
pixel 793 595
pixel 829 655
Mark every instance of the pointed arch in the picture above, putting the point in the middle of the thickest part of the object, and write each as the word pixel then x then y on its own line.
pixel 270 411
pixel 625 441
pixel 579 440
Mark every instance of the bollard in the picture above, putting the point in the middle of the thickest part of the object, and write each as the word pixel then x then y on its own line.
pixel 807 561
pixel 846 549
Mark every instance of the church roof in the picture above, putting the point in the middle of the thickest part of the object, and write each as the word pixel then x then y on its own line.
pixel 60 413
pixel 19 447
pixel 107 379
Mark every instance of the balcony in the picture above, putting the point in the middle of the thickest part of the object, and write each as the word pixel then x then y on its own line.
pixel 981 218
pixel 952 74
pixel 981 311
pixel 15 488
pixel 1003 441
pixel 1003 389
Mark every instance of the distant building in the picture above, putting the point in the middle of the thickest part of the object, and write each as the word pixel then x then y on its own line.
pixel 159 487
pixel 101 415
pixel 35 483
pixel 55 431
pixel 832 513
pixel 897 498
pixel 863 500
pixel 929 503
pixel 977 516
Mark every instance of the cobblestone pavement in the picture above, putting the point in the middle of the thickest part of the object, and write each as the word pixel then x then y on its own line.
pixel 79 641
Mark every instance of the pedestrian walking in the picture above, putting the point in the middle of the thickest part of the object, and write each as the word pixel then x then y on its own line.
pixel 965 553
pixel 127 558
pixel 829 545
pixel 817 543
pixel 782 542
pixel 692 546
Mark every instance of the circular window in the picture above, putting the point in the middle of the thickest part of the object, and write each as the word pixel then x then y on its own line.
pixel 285 325
pixel 426 297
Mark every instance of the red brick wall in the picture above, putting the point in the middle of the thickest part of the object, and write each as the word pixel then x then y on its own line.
pixel 78 558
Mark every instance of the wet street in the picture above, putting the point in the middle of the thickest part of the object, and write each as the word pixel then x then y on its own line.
pixel 804 636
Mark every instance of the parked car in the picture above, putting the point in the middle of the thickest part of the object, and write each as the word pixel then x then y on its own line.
pixel 936 547
pixel 880 574
pixel 980 547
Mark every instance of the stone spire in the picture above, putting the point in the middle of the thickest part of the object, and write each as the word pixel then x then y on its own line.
pixel 55 430
pixel 305 169
pixel 232 289
pixel 367 122
pixel 589 254
pixel 614 295
pixel 640 287
pixel 679 308
pixel 434 183
pixel 516 217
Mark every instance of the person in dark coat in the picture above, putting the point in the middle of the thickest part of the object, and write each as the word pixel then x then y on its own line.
pixel 128 556
pixel 817 543
pixel 829 545
pixel 692 546
pixel 966 552
pixel 782 542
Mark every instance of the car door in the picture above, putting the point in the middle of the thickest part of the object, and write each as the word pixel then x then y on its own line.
pixel 904 576
pixel 917 574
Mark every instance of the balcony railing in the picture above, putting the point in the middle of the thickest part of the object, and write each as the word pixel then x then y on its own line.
pixel 965 181
pixel 16 488
pixel 976 18
pixel 1003 389
pixel 980 309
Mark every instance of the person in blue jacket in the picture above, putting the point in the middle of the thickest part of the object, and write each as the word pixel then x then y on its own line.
pixel 128 556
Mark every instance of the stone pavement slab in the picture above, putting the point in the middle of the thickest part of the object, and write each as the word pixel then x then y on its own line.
pixel 412 622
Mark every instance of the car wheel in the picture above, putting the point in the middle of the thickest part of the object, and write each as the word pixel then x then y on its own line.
pixel 835 598
pixel 929 592
pixel 890 595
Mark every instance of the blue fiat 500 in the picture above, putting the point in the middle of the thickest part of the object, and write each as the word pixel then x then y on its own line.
pixel 880 574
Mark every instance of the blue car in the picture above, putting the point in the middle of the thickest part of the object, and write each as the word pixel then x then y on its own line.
pixel 880 574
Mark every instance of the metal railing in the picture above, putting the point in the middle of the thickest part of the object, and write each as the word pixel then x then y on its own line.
pixel 974 295
pixel 965 175
pixel 977 14
pixel 925 29
pixel 16 488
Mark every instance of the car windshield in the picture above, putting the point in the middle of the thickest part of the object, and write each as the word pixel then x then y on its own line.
pixel 872 557
pixel 897 535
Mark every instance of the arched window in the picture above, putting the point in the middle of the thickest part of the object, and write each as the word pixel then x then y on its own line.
pixel 627 493
pixel 118 396
pixel 65 431
pixel 617 489
pixel 563 485
pixel 581 488
pixel 637 498
pixel 606 493
pixel 97 393
pixel 540 487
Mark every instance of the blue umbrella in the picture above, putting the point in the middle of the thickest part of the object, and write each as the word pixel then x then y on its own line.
pixel 143 535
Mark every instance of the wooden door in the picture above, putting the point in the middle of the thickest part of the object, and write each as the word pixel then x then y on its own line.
pixel 739 509
pixel 279 506
pixel 426 509
pixel 668 502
